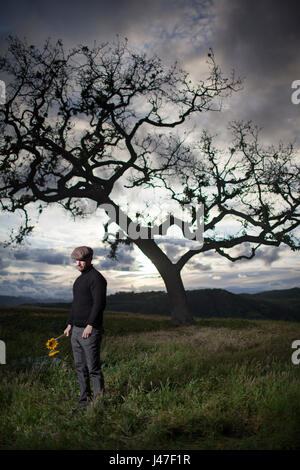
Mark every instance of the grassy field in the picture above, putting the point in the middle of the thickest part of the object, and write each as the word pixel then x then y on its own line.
pixel 219 384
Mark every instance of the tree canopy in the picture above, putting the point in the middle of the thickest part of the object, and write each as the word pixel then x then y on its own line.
pixel 77 123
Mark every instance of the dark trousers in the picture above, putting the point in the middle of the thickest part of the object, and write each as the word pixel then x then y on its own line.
pixel 86 353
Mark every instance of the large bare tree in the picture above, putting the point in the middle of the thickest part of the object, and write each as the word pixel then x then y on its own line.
pixel 77 123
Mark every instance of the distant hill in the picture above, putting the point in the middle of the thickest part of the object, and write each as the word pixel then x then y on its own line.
pixel 7 300
pixel 276 304
pixel 281 304
pixel 11 301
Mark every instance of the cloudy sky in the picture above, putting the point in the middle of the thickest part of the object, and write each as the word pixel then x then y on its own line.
pixel 259 39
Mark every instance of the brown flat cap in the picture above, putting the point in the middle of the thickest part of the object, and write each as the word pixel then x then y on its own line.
pixel 82 253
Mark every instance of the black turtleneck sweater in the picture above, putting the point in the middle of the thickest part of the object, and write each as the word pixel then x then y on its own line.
pixel 89 299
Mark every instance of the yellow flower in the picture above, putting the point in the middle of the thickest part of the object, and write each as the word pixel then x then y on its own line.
pixel 52 353
pixel 51 343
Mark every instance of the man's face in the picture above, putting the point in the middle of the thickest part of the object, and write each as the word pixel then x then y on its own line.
pixel 82 265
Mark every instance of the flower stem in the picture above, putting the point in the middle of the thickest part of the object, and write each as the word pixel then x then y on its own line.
pixel 58 337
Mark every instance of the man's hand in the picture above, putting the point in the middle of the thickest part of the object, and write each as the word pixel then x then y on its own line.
pixel 87 331
pixel 68 330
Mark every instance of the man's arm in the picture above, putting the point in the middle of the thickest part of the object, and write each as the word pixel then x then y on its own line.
pixel 98 291
pixel 87 331
pixel 69 323
pixel 68 330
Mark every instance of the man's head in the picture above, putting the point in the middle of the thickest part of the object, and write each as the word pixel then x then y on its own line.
pixel 83 256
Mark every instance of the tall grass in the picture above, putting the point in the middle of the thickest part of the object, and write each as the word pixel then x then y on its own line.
pixel 219 384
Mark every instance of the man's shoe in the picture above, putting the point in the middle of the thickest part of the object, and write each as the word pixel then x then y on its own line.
pixel 81 407
pixel 97 399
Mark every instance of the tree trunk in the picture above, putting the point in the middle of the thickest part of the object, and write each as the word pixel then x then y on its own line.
pixel 170 274
pixel 180 312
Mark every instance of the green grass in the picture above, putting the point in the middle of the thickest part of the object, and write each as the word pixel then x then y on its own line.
pixel 219 384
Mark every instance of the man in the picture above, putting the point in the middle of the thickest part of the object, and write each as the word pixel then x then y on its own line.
pixel 85 325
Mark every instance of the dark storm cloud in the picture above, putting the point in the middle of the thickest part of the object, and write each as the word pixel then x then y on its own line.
pixel 35 288
pixel 171 248
pixel 125 260
pixel 100 252
pixel 5 259
pixel 35 274
pixel 282 280
pixel 47 256
pixel 267 254
pixel 261 40
pixel 174 247
pixel 259 37
pixel 246 281
pixel 270 255
pixel 39 255
pixel 198 266
pixel 86 21
pixel 125 257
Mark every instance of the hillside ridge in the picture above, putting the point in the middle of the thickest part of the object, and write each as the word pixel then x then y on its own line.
pixel 210 302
